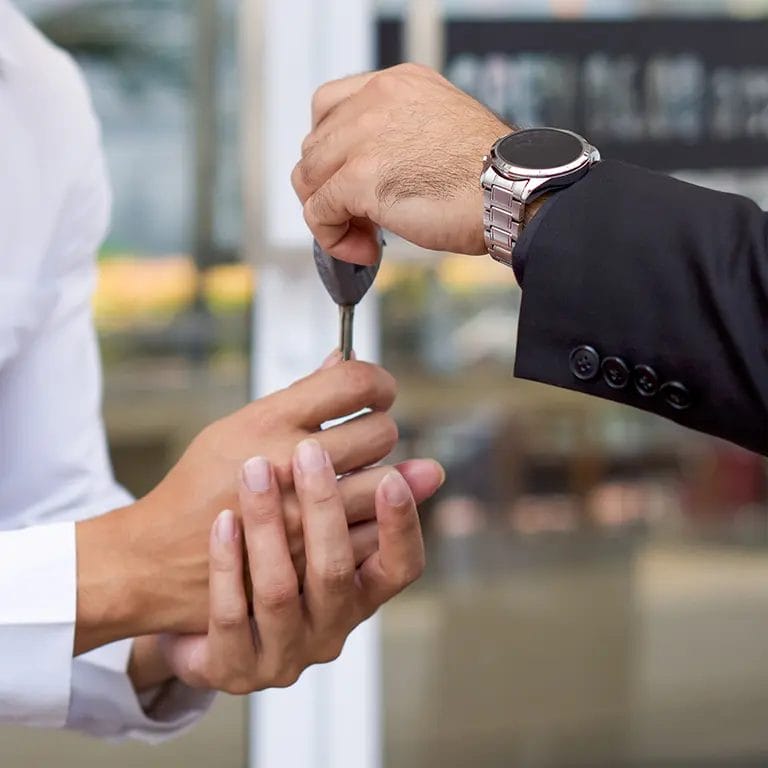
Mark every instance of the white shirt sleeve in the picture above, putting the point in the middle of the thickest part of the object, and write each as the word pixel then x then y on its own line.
pixel 104 702
pixel 37 611
pixel 40 683
pixel 54 464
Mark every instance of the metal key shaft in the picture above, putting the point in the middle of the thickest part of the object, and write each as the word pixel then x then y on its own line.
pixel 346 284
pixel 347 323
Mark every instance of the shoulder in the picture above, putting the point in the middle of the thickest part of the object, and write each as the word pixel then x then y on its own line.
pixel 46 89
pixel 51 149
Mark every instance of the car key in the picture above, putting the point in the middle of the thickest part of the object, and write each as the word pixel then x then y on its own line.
pixel 347 284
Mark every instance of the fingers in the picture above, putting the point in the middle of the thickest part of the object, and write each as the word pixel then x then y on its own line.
pixel 424 476
pixel 326 149
pixel 335 392
pixel 365 541
pixel 340 209
pixel 400 558
pixel 358 492
pixel 323 155
pixel 230 639
pixel 327 97
pixel 339 223
pixel 276 601
pixel 330 573
pixel 359 442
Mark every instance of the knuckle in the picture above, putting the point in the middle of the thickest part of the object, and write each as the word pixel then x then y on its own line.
pixel 286 677
pixel 239 686
pixel 390 434
pixel 411 68
pixel 423 69
pixel 330 651
pixel 296 177
pixel 232 615
pixel 336 575
pixel 196 670
pixel 390 80
pixel 319 99
pixel 264 417
pixel 307 143
pixel 277 595
pixel 306 170
pixel 362 168
pixel 323 493
pixel 380 80
pixel 263 511
pixel 309 212
pixel 411 571
pixel 318 208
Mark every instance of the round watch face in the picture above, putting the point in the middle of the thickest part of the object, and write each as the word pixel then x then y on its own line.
pixel 540 148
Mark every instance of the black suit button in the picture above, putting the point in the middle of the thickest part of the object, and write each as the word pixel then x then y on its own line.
pixel 646 380
pixel 615 372
pixel 585 363
pixel 676 395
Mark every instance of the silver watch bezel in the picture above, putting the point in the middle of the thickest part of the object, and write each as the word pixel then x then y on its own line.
pixel 588 156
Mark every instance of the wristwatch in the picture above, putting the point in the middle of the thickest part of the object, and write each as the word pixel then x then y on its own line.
pixel 521 167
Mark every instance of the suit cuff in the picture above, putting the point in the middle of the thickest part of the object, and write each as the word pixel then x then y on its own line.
pixel 647 291
pixel 520 254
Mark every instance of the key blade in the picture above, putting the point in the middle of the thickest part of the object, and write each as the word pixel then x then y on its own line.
pixel 346 283
pixel 347 324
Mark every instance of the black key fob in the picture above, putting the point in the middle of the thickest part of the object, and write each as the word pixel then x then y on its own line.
pixel 346 283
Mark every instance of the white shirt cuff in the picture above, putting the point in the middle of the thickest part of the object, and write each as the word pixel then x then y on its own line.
pixel 40 684
pixel 105 704
pixel 38 596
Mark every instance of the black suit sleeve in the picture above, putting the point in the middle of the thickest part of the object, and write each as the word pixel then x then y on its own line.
pixel 651 292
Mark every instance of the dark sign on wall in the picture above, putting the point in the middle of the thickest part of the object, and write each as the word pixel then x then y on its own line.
pixel 665 93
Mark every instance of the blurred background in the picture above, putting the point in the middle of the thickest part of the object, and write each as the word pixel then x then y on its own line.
pixel 597 588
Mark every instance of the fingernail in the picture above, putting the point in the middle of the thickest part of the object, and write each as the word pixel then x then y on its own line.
pixel 441 469
pixel 225 526
pixel 331 360
pixel 396 490
pixel 257 474
pixel 310 456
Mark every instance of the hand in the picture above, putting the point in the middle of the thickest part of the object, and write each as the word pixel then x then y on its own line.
pixel 402 149
pixel 290 630
pixel 144 569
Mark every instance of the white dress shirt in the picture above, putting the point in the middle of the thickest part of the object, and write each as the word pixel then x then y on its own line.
pixel 54 466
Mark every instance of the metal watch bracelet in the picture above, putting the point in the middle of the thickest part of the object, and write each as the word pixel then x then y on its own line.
pixel 503 214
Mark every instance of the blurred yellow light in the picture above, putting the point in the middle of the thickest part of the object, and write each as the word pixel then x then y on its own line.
pixel 229 286
pixel 468 273
pixel 132 288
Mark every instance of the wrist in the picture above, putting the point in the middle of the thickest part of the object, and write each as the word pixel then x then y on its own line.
pixel 534 207
pixel 107 595
pixel 124 588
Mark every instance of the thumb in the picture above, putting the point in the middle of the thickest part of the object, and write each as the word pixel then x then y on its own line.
pixel 186 656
